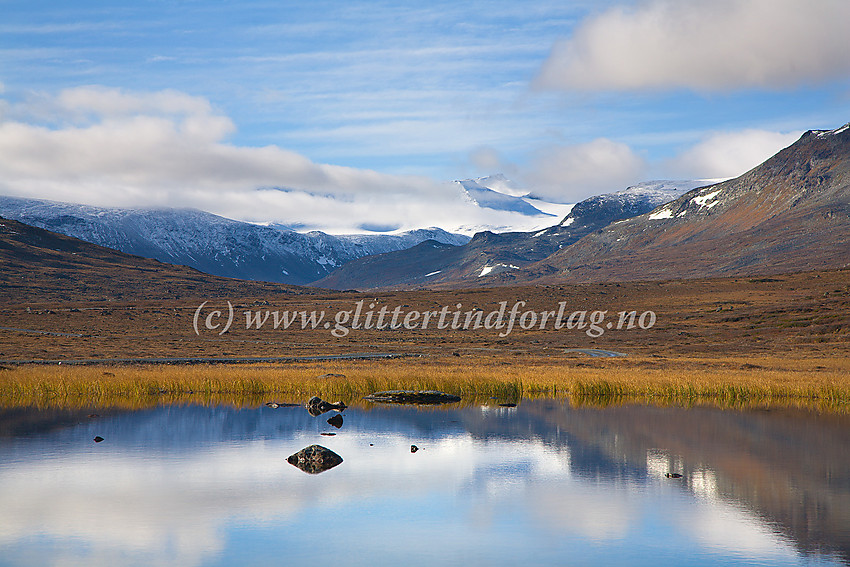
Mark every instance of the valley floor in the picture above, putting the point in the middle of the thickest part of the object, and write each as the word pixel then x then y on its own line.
pixel 775 336
pixel 804 315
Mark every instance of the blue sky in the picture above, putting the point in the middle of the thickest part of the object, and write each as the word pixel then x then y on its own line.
pixel 376 104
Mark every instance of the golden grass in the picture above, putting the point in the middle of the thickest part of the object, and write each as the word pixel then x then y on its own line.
pixel 822 384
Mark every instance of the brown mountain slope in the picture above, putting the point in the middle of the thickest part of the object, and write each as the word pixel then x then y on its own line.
pixel 433 265
pixel 41 266
pixel 791 213
pixel 430 262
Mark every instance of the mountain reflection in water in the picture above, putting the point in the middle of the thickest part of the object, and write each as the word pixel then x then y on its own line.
pixel 489 485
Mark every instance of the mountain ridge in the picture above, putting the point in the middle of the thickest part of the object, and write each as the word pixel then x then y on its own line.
pixel 489 253
pixel 788 214
pixel 43 266
pixel 211 243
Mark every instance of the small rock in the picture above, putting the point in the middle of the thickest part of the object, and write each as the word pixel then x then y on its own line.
pixel 317 406
pixel 673 475
pixel 314 459
pixel 273 405
pixel 327 433
pixel 336 421
pixel 332 375
pixel 413 448
pixel 507 405
pixel 93 415
pixel 98 439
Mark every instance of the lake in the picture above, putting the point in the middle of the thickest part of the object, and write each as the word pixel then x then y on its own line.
pixel 484 485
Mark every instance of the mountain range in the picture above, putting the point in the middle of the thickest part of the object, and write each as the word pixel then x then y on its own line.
pixel 489 254
pixel 791 213
pixel 214 244
pixel 41 266
pixel 230 248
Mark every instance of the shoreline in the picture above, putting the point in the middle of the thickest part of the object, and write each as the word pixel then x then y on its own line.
pixel 817 383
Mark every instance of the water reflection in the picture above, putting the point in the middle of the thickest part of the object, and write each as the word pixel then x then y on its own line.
pixel 495 485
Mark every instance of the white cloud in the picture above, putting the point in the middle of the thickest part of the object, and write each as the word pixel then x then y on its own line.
pixel 571 173
pixel 729 154
pixel 115 148
pixel 163 141
pixel 705 46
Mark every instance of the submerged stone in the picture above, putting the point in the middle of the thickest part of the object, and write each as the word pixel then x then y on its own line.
pixel 412 397
pixel 336 421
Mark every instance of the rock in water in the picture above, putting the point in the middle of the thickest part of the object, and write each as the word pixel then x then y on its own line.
pixel 317 406
pixel 412 397
pixel 314 459
pixel 336 421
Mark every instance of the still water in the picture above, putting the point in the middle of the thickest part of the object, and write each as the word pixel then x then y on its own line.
pixel 487 485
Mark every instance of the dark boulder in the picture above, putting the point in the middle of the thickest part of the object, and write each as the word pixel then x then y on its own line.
pixel 314 459
pixel 412 397
pixel 317 406
pixel 336 421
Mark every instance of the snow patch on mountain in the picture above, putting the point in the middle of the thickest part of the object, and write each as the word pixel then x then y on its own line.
pixel 496 269
pixel 822 133
pixel 703 200
pixel 662 214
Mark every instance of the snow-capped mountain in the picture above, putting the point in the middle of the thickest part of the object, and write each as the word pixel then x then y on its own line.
pixel 489 253
pixel 479 193
pixel 211 243
pixel 515 208
pixel 791 213
pixel 231 248
pixel 600 210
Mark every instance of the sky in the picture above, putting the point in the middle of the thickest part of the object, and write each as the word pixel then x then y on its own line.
pixel 341 114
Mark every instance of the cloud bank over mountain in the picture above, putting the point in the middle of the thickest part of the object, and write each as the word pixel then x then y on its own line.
pixel 114 147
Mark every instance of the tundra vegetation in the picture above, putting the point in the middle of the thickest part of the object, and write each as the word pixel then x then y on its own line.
pixel 731 383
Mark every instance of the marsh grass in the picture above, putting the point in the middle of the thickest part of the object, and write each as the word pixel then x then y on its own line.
pixel 816 384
